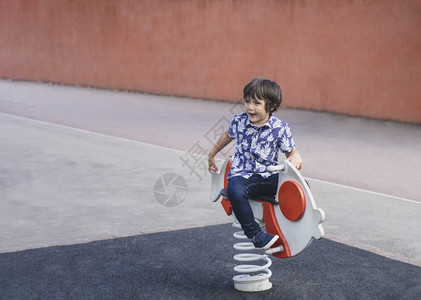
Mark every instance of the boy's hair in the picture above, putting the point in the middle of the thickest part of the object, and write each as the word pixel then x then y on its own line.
pixel 264 89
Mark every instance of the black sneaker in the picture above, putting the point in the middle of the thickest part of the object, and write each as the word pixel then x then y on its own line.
pixel 263 240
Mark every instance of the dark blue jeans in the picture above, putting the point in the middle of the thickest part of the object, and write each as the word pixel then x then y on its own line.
pixel 240 190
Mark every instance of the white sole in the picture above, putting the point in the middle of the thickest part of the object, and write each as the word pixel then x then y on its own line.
pixel 275 238
pixel 272 241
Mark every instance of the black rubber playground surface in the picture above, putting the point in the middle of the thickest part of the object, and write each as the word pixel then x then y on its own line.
pixel 197 264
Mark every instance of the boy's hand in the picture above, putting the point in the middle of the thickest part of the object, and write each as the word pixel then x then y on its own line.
pixel 212 167
pixel 295 159
pixel 223 140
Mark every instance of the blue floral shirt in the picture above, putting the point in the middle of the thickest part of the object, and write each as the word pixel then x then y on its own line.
pixel 258 147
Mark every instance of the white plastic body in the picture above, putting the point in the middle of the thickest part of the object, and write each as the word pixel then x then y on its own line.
pixel 218 179
pixel 299 234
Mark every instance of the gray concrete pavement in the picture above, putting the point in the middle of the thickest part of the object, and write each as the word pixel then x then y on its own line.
pixel 63 186
pixel 74 168
pixel 375 155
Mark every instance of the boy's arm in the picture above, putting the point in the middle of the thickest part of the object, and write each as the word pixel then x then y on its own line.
pixel 223 140
pixel 295 159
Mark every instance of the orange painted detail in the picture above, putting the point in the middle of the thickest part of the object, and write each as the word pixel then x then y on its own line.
pixel 226 204
pixel 229 164
pixel 272 227
pixel 292 200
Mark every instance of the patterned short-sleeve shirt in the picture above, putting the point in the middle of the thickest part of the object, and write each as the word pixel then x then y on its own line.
pixel 258 147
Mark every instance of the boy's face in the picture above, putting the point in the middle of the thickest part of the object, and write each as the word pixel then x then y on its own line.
pixel 256 111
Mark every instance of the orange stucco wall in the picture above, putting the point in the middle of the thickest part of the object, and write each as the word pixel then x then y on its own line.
pixel 353 57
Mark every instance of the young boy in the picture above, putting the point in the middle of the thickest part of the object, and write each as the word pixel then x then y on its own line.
pixel 260 136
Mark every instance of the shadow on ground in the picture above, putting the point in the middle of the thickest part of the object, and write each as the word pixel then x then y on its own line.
pixel 197 264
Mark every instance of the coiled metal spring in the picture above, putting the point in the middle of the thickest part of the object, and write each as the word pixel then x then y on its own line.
pixel 253 278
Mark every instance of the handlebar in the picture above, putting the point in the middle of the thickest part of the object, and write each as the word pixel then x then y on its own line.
pixel 280 167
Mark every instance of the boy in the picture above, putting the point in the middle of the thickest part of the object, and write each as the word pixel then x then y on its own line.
pixel 259 137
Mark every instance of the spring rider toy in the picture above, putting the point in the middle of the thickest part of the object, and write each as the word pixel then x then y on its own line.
pixel 292 214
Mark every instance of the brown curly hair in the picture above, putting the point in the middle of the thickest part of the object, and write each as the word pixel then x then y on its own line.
pixel 264 89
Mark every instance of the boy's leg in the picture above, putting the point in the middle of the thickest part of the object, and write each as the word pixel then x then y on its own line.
pixel 269 185
pixel 239 191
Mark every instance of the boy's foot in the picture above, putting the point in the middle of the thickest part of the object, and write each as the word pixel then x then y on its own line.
pixel 263 240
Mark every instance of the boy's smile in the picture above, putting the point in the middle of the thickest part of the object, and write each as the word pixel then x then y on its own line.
pixel 256 111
